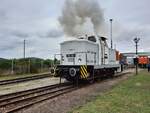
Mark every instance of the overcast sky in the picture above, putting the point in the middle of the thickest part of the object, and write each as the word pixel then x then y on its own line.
pixel 36 21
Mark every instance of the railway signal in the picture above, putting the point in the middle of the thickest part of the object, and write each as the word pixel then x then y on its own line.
pixel 136 40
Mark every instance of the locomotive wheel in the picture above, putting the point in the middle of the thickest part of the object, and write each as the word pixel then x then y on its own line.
pixel 91 81
pixel 68 78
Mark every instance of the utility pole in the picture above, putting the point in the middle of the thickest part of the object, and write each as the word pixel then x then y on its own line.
pixel 111 20
pixel 12 66
pixel 41 65
pixel 136 40
pixel 115 47
pixel 29 68
pixel 24 48
pixel 24 55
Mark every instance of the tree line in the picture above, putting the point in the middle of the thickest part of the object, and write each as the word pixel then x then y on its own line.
pixel 27 65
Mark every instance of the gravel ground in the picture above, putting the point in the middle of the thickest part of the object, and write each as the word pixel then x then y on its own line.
pixel 67 102
pixel 6 89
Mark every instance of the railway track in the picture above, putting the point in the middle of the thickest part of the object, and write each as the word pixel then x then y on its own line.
pixel 24 79
pixel 11 103
pixel 16 101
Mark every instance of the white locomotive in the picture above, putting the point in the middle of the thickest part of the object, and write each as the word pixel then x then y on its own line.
pixel 86 58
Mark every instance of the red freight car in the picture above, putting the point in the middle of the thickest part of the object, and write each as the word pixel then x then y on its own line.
pixel 143 60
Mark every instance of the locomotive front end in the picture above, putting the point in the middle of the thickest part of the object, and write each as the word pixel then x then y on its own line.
pixel 73 72
pixel 78 58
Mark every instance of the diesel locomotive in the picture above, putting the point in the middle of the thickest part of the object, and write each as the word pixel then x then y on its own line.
pixel 86 58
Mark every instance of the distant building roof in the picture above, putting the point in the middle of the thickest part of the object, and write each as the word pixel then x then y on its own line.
pixel 131 54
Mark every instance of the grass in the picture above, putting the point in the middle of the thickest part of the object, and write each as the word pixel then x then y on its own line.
pixel 131 96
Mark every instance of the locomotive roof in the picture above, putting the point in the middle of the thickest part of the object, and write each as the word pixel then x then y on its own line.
pixel 91 39
pixel 78 40
pixel 103 38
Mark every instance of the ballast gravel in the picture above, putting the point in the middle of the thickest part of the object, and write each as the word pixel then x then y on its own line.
pixel 79 97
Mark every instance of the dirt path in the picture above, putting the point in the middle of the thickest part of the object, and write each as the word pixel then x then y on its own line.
pixel 67 102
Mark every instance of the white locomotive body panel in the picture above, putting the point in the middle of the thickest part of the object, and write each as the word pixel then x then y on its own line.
pixel 86 52
pixel 112 56
pixel 79 52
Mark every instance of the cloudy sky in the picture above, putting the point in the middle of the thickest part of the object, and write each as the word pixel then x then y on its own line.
pixel 36 21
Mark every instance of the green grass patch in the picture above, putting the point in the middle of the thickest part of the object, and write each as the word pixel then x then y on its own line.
pixel 131 96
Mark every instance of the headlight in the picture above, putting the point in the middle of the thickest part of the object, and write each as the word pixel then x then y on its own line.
pixel 53 71
pixel 79 60
pixel 62 58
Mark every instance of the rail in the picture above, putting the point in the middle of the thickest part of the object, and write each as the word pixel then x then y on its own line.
pixel 24 79
pixel 16 101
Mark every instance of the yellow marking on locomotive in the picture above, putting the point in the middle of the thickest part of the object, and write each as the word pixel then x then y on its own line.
pixel 82 74
pixel 83 71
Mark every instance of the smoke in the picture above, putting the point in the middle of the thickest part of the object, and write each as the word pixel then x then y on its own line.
pixel 82 17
